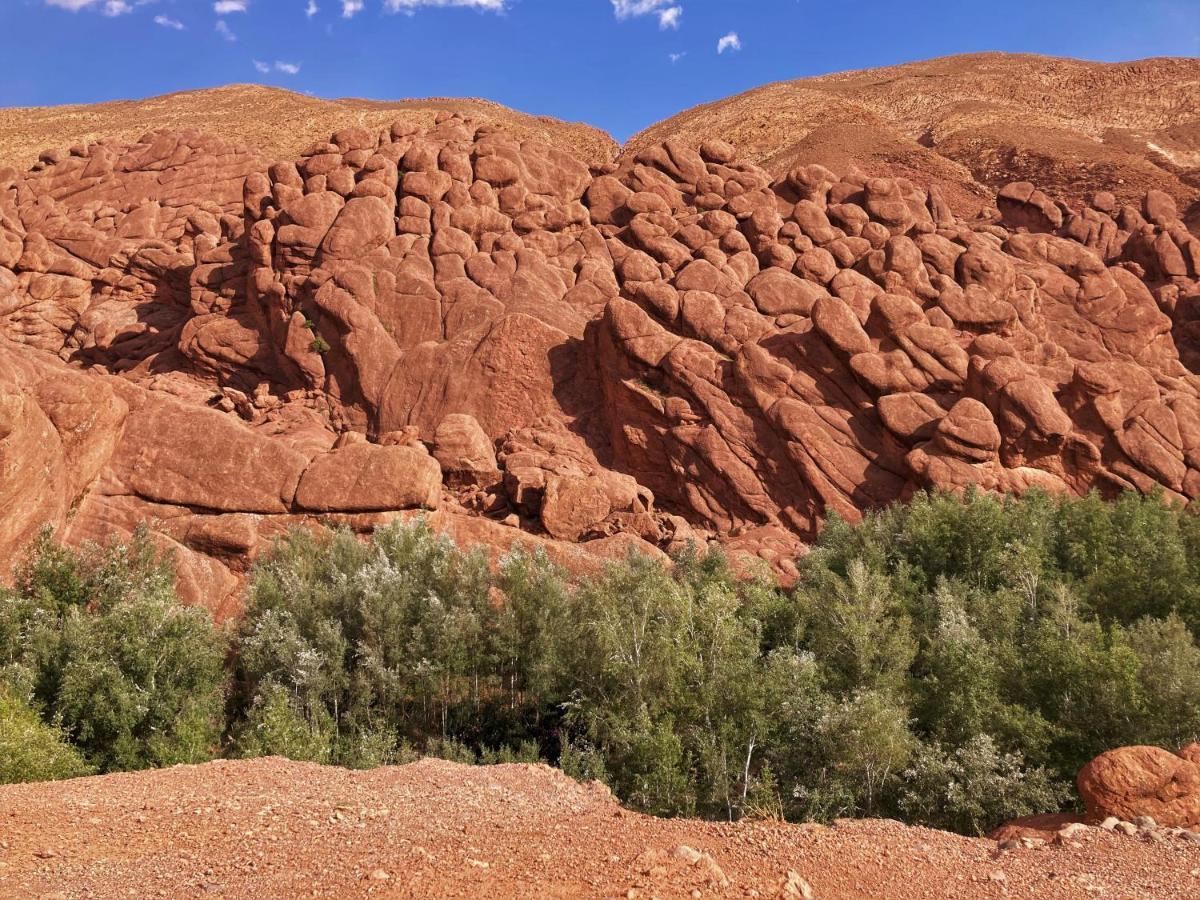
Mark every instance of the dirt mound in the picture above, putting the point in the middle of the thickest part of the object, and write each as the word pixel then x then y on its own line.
pixel 462 322
pixel 274 828
pixel 1071 126
pixel 276 122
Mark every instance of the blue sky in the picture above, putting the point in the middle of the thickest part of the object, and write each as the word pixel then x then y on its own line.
pixel 618 64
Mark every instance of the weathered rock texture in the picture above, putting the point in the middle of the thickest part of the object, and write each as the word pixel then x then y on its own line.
pixel 1132 782
pixel 972 123
pixel 679 346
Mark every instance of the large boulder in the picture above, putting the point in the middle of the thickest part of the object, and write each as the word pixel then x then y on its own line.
pixel 1129 782
pixel 370 478
pixel 465 453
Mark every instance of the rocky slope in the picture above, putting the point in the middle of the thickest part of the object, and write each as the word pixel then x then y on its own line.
pixel 461 320
pixel 274 828
pixel 974 123
pixel 276 122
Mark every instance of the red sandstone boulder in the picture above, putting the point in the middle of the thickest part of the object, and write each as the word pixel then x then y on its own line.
pixel 1142 781
pixel 572 506
pixel 464 451
pixel 367 477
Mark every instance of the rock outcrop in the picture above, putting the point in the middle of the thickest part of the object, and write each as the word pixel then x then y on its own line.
pixel 1134 782
pixel 676 347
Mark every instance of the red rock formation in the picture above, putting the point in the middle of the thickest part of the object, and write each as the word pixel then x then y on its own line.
pixel 679 347
pixel 1130 782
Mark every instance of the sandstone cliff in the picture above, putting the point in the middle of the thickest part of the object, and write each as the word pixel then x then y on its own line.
pixel 529 346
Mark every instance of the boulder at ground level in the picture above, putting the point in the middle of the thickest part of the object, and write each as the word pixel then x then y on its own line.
pixel 1142 781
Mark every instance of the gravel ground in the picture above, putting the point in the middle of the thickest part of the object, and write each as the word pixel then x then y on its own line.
pixel 273 828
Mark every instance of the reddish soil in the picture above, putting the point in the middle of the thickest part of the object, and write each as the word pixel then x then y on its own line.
pixel 276 828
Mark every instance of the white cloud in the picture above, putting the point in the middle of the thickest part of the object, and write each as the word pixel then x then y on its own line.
pixel 287 68
pixel 72 5
pixel 108 7
pixel 669 12
pixel 262 67
pixel 350 7
pixel 628 9
pixel 730 42
pixel 225 31
pixel 168 23
pixel 410 6
pixel 676 57
pixel 311 9
pixel 223 7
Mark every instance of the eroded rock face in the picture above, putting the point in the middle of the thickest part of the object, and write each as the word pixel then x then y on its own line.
pixel 677 348
pixel 1129 782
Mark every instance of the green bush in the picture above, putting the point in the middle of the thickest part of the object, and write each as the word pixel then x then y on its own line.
pixel 30 749
pixel 973 787
pixel 394 640
pixel 98 641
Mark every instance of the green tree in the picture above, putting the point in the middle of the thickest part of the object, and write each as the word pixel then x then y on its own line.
pixel 858 628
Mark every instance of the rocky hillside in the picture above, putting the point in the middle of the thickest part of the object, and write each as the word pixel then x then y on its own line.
pixel 273 828
pixel 529 345
pixel 276 122
pixel 974 123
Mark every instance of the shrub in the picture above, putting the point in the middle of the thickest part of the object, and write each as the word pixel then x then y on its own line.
pixel 974 787
pixel 30 749
pixel 392 639
pixel 97 639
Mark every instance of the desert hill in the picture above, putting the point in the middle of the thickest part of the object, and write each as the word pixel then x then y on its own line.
pixel 465 318
pixel 269 827
pixel 277 123
pixel 975 122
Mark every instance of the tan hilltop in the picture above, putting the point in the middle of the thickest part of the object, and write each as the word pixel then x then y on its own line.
pixel 978 121
pixel 278 123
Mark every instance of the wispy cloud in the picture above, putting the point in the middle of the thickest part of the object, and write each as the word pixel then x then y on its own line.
pixel 350 7
pixel 166 22
pixel 730 42
pixel 676 57
pixel 224 7
pixel 669 12
pixel 409 6
pixel 286 68
pixel 72 5
pixel 312 9
pixel 225 31
pixel 109 7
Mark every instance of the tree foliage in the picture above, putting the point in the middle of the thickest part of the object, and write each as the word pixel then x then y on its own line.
pixel 952 661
